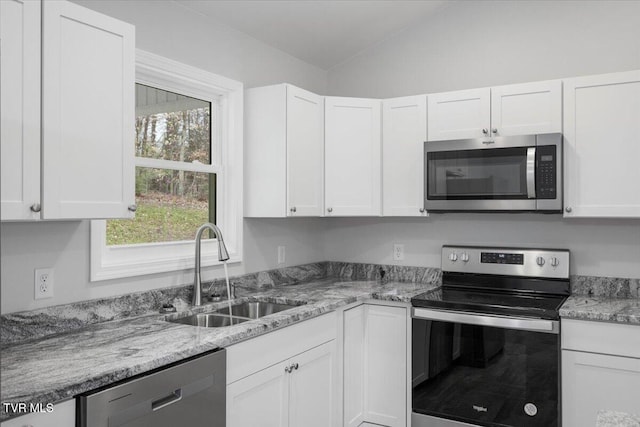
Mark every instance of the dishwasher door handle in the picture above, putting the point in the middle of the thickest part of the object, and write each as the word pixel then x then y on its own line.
pixel 172 398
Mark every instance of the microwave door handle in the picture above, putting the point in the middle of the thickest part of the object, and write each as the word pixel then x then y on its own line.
pixel 531 172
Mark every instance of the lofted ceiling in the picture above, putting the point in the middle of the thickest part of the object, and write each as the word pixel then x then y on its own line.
pixel 324 33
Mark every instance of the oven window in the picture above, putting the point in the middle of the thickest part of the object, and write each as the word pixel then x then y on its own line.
pixel 483 375
pixel 477 174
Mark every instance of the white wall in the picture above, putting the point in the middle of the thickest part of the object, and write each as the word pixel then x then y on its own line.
pixel 472 44
pixel 170 30
pixel 598 247
pixel 482 43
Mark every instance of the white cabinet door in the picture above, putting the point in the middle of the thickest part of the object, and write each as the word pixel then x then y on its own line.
pixel 352 162
pixel 312 388
pixel 20 109
pixel 459 115
pixel 385 396
pixel 593 382
pixel 602 145
pixel 526 109
pixel 62 415
pixel 261 399
pixel 404 131
pixel 305 152
pixel 284 152
pixel 353 367
pixel 87 113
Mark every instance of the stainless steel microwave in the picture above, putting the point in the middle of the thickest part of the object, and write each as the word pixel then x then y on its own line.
pixel 499 174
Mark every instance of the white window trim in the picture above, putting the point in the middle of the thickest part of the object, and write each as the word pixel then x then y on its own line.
pixel 112 262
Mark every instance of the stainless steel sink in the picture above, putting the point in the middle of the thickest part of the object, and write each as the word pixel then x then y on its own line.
pixel 256 309
pixel 209 320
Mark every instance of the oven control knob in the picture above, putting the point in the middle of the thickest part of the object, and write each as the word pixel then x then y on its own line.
pixel 453 257
pixel 540 261
pixel 554 262
pixel 464 257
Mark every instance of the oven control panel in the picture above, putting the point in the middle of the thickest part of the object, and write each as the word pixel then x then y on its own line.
pixel 551 263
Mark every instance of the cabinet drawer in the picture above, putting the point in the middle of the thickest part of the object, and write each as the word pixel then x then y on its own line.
pixel 258 353
pixel 600 337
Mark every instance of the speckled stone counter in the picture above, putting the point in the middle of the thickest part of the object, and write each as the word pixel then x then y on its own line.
pixel 57 367
pixel 617 419
pixel 606 299
pixel 621 310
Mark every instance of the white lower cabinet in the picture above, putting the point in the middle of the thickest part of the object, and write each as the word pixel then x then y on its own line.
pixel 61 415
pixel 299 390
pixel 375 365
pixel 600 370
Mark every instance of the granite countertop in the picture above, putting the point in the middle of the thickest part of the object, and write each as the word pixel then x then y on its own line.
pixel 599 308
pixel 58 367
pixel 617 419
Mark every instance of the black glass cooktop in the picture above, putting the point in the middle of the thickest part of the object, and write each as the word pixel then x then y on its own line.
pixel 491 302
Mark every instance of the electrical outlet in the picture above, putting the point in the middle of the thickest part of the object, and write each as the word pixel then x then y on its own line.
pixel 398 252
pixel 43 283
pixel 281 255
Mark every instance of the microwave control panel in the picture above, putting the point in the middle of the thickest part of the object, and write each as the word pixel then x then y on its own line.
pixel 546 159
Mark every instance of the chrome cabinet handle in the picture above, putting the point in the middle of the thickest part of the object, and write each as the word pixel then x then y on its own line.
pixel 287 369
pixel 485 131
pixel 421 210
pixel 35 207
pixel 494 130
pixel 293 209
pixel 295 366
pixel 568 209
pixel 329 210
pixel 132 208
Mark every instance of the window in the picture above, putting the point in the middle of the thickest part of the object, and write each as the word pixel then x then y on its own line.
pixel 188 153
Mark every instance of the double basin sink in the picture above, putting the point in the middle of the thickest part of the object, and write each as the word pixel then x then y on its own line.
pixel 239 313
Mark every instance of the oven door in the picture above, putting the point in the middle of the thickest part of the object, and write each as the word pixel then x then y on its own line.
pixel 496 174
pixel 470 369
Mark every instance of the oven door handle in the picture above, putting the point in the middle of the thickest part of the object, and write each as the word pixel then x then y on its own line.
pixel 535 325
pixel 531 172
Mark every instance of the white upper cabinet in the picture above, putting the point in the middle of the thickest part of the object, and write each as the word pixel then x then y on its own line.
pixel 284 153
pixel 20 109
pixel 602 145
pixel 88 117
pixel 459 115
pixel 521 109
pixel 68 143
pixel 526 109
pixel 352 157
pixel 404 131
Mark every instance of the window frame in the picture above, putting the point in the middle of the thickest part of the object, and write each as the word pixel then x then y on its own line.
pixel 226 96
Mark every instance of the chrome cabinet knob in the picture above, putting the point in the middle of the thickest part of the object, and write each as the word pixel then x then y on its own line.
pixel 35 207
pixel 494 130
pixel 295 366
pixel 421 210
pixel 287 369
pixel 293 209
pixel 568 209
pixel 485 131
pixel 132 208
pixel 540 261
pixel 329 210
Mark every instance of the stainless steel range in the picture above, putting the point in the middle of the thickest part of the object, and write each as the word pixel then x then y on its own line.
pixel 486 348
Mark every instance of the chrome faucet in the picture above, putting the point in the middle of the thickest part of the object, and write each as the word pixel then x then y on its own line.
pixel 223 255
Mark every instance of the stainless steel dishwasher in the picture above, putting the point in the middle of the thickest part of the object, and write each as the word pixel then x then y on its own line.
pixel 190 393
